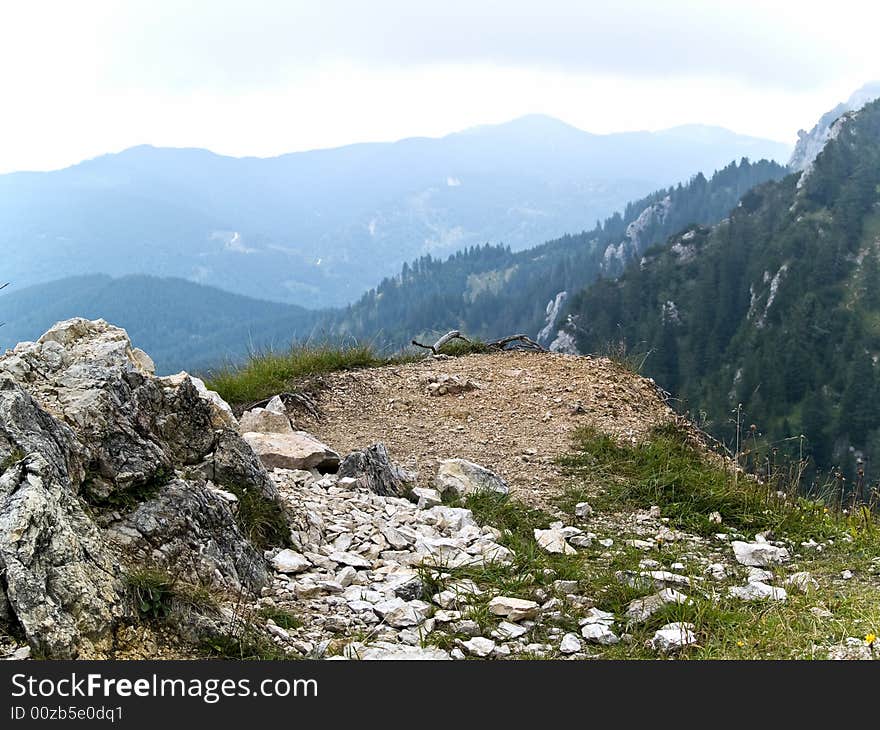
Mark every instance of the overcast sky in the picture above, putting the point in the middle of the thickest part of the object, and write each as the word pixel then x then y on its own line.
pixel 263 77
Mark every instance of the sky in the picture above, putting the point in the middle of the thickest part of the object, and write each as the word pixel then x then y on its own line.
pixel 264 77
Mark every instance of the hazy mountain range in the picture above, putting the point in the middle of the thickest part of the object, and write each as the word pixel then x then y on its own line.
pixel 319 228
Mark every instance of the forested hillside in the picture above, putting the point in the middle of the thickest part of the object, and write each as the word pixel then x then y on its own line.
pixel 490 291
pixel 776 308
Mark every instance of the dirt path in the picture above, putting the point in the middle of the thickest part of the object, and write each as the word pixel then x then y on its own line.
pixel 516 422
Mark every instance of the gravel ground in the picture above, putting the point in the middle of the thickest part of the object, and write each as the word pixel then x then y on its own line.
pixel 517 420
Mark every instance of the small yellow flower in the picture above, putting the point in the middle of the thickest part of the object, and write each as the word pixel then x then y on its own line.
pixel 870 638
pixel 740 643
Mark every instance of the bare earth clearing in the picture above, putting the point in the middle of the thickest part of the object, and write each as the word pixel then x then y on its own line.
pixel 516 422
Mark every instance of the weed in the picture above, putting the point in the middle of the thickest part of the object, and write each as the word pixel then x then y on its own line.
pixel 457 348
pixel 280 617
pixel 13 457
pixel 669 470
pixel 269 372
pixel 152 590
pixel 241 645
pixel 261 520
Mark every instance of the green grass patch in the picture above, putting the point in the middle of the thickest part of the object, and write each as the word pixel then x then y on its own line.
pixel 245 644
pixel 688 485
pixel 266 373
pixel 281 617
pixel 13 457
pixel 261 520
pixel 152 591
pixel 457 348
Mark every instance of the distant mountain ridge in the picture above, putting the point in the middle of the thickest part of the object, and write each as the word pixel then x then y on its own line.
pixel 487 291
pixel 319 228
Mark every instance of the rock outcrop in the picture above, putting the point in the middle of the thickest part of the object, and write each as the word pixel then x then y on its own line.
pixel 459 478
pixel 811 143
pixel 105 468
pixel 372 469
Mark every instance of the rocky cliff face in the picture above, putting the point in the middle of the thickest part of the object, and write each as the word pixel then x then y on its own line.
pixel 106 468
pixel 810 144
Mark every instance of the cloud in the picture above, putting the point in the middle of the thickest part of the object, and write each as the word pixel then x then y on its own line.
pixel 258 44
pixel 264 77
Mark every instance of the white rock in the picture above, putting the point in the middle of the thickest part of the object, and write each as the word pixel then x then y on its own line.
pixel 479 646
pixel 346 576
pixel 597 616
pixel 846 574
pixel 444 616
pixel 262 420
pixel 803 582
pixel 514 609
pixel 641 544
pixel 570 644
pixel 757 591
pixel 582 541
pixel 673 637
pixel 395 537
pixel 553 541
pixel 352 559
pixel 507 630
pixel 427 498
pixel 760 575
pixel 458 478
pixel 565 586
pixel 290 561
pixel 276 630
pixel 599 633
pixel 386 651
pixel 23 652
pixel 582 510
pixel 450 518
pixel 295 450
pixel 276 405
pixel 641 609
pixel 399 613
pixel 758 554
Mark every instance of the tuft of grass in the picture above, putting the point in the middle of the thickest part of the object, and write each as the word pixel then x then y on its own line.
pixel 281 617
pixel 261 520
pixel 13 457
pixel 457 348
pixel 269 372
pixel 246 645
pixel 618 352
pixel 668 470
pixel 153 592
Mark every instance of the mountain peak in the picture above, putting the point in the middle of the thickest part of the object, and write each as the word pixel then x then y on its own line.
pixel 527 124
pixel 810 144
